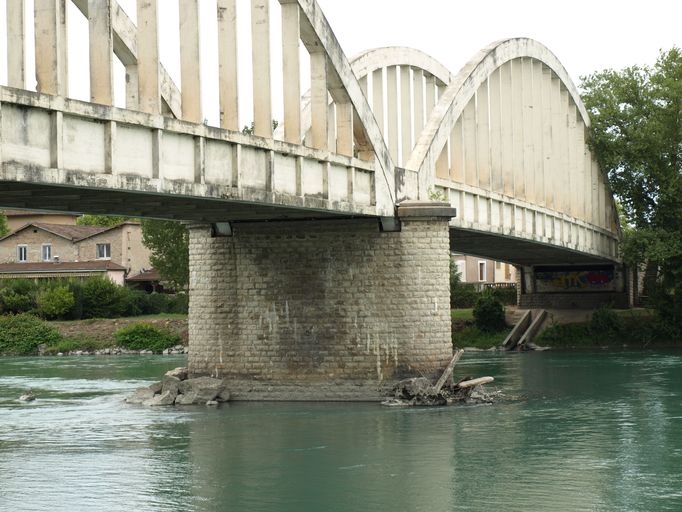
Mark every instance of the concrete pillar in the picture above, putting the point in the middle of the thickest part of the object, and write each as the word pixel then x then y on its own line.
pixel 321 310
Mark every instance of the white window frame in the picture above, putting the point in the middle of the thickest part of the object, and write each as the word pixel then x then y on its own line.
pixel 106 249
pixel 482 264
pixel 49 252
pixel 22 248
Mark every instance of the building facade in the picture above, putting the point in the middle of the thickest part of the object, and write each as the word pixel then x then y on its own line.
pixel 482 271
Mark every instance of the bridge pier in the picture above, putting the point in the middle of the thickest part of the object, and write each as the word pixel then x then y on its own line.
pixel 333 310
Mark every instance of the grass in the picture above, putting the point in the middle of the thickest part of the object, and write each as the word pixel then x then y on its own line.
pixel 472 336
pixel 462 314
pixel 77 343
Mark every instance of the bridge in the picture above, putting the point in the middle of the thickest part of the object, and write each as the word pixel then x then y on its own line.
pixel 319 247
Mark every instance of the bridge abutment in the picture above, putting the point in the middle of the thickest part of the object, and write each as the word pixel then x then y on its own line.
pixel 321 309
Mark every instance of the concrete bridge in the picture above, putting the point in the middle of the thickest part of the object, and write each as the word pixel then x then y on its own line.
pixel 319 249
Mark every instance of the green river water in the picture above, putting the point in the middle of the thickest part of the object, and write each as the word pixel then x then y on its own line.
pixel 595 431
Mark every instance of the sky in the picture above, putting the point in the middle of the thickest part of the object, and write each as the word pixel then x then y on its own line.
pixel 586 36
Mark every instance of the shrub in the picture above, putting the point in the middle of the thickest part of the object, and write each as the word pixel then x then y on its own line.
pixel 55 302
pixel 605 322
pixel 13 302
pixel 489 313
pixel 21 335
pixel 146 337
pixel 102 298
pixel 506 296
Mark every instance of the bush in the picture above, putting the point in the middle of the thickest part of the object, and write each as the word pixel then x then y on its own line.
pixel 489 313
pixel 146 337
pixel 606 323
pixel 13 302
pixel 55 302
pixel 102 298
pixel 20 335
pixel 507 296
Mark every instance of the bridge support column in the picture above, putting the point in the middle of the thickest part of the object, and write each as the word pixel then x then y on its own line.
pixel 330 309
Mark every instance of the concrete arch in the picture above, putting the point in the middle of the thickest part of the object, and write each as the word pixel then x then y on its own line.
pixel 366 62
pixel 463 87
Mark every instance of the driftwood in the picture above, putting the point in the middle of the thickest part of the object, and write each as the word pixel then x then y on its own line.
pixel 420 391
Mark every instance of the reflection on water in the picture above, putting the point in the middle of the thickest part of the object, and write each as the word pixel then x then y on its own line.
pixel 584 431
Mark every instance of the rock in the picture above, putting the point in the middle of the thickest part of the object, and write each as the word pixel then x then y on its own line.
pixel 205 388
pixel 156 387
pixel 166 351
pixel 223 396
pixel 170 383
pixel 187 399
pixel 410 388
pixel 165 398
pixel 60 353
pixel 180 373
pixel 212 403
pixel 27 397
pixel 140 396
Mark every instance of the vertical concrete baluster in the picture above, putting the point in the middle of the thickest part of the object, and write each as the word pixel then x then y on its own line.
pixel 496 184
pixel 318 100
pixel 378 97
pixel 538 128
pixel 405 113
pixel 50 62
pixel 572 159
pixel 547 146
pixel 101 52
pixel 227 64
pixel 483 136
pixel 16 44
pixel 260 55
pixel 148 57
pixel 392 111
pixel 528 139
pixel 291 35
pixel 470 153
pixel 190 59
pixel 344 128
pixel 457 154
pixel 418 101
pixel 517 127
pixel 506 129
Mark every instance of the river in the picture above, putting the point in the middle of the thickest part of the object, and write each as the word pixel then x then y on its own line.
pixel 597 431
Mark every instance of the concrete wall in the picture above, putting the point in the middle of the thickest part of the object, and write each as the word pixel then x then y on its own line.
pixel 319 306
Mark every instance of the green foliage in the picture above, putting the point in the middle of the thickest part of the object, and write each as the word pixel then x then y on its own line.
pixel 146 337
pixel 21 335
pixel 562 335
pixel 462 295
pixel 636 134
pixel 251 129
pixel 605 323
pixel 101 298
pixel 472 336
pixel 489 313
pixel 506 296
pixel 13 302
pixel 4 228
pixel 106 221
pixel 55 302
pixel 168 242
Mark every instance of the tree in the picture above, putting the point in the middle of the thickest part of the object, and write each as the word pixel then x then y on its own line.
pixel 169 244
pixel 4 228
pixel 636 135
pixel 105 221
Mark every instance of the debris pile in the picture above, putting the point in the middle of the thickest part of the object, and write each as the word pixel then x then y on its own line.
pixel 420 391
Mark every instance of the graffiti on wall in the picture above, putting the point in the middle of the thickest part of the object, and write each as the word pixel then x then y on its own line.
pixel 575 280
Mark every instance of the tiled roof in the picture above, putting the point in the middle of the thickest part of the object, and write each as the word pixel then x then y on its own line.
pixel 65 266
pixel 145 275
pixel 71 232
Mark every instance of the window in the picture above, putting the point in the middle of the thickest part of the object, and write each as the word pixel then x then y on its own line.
pixel 103 251
pixel 22 253
pixel 481 270
pixel 46 252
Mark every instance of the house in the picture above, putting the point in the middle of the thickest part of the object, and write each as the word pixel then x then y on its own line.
pixel 41 249
pixel 484 272
pixel 19 218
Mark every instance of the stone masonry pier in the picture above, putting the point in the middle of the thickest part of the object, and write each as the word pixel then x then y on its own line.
pixel 321 309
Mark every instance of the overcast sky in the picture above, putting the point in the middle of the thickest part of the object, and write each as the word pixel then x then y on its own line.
pixel 586 36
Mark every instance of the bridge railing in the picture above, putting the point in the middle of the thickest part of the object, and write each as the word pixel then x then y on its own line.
pixel 307 43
